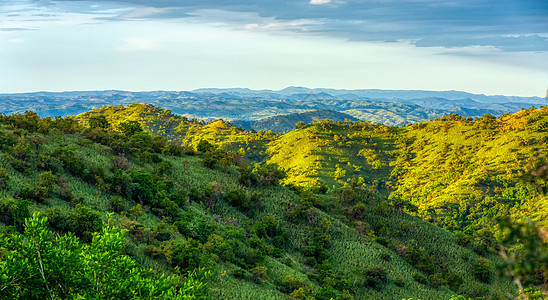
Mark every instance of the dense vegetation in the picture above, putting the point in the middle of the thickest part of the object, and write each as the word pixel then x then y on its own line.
pixel 203 210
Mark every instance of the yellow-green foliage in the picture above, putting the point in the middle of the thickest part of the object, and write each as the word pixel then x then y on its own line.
pixel 331 153
pixel 181 130
pixel 351 231
pixel 456 161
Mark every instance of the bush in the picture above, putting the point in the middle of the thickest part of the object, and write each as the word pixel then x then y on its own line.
pixel 238 198
pixel 483 270
pixel 375 277
pixel 14 212
pixel 325 293
pixel 115 204
pixel 85 222
pixel 188 255
pixel 239 273
pixel 59 219
pixel 162 231
pixel 204 146
pixel 436 280
pixel 98 122
pixel 291 283
pixel 41 189
pixel 4 178
pixel 259 273
pixel 129 128
pixel 358 211
pixel 400 281
pixel 420 278
pixel 463 239
pixel 454 281
pixel 421 260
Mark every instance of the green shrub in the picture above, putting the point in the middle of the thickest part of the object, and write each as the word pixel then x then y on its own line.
pixel 464 239
pixel 188 255
pixel 14 212
pixel 358 211
pixel 375 277
pixel 483 270
pixel 454 281
pixel 238 198
pixel 116 204
pixel 4 179
pixel 59 219
pixel 260 273
pixel 129 128
pixel 436 280
pixel 421 260
pixel 240 273
pixel 41 189
pixel 162 231
pixel 204 146
pixel 400 281
pixel 386 256
pixel 85 222
pixel 291 283
pixel 420 278
pixel 325 293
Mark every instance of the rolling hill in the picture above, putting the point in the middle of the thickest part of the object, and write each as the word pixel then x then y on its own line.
pixel 185 208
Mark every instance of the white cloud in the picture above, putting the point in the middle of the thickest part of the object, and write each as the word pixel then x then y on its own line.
pixel 137 44
pixel 320 2
pixel 17 41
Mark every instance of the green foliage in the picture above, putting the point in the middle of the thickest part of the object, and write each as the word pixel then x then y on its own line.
pixel 375 277
pixel 85 222
pixel 527 264
pixel 4 178
pixel 291 283
pixel 129 128
pixel 260 273
pixel 14 212
pixel 233 218
pixel 204 146
pixel 483 270
pixel 98 122
pixel 41 189
pixel 42 265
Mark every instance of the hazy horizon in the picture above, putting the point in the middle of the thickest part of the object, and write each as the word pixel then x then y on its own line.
pixel 312 89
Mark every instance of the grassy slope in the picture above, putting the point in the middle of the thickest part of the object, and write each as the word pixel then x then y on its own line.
pixel 349 250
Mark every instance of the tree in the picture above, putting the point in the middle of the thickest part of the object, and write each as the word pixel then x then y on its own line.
pixel 300 125
pixel 129 128
pixel 42 265
pixel 98 122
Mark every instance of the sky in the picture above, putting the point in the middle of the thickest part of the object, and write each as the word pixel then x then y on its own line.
pixel 479 46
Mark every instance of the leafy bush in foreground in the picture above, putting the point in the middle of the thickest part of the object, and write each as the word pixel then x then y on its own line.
pixel 42 265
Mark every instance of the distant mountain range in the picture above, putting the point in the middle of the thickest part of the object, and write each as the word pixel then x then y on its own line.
pixel 288 122
pixel 261 109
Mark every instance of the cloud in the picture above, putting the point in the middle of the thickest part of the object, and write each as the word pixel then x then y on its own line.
pixel 15 29
pixel 510 25
pixel 16 41
pixel 137 44
pixel 319 2
pixel 518 43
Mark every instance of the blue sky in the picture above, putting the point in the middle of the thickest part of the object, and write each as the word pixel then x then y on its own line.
pixel 481 46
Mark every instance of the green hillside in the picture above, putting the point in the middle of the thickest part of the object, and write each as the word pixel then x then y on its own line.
pixel 205 210
pixel 461 173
